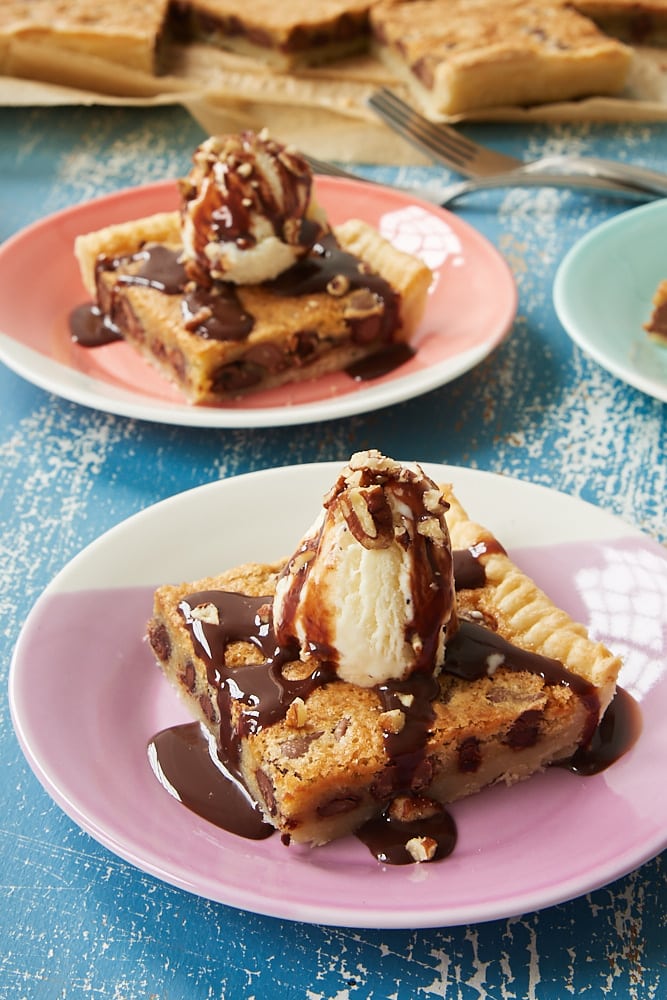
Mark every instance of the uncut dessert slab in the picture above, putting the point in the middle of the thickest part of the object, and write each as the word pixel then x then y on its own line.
pixel 218 85
pixel 539 843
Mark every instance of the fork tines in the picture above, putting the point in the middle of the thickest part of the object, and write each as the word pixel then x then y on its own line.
pixel 424 134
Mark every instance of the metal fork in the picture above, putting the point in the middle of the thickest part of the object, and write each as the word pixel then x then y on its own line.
pixel 511 178
pixel 439 141
pixel 445 144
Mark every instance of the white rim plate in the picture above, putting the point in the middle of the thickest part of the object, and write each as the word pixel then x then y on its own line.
pixel 471 307
pixel 101 699
pixel 603 294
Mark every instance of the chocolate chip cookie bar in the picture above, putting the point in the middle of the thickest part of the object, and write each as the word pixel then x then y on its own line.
pixel 521 686
pixel 463 55
pixel 350 298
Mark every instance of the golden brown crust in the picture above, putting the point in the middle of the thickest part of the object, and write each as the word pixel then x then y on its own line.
pixel 458 55
pixel 320 772
pixel 524 613
pixel 123 238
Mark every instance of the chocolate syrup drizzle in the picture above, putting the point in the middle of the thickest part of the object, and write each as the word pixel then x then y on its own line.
pixel 216 313
pixel 265 695
pixel 222 202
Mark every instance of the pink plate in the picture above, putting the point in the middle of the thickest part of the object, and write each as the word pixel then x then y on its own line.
pixel 86 697
pixel 471 307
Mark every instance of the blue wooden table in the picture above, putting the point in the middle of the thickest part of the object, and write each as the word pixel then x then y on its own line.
pixel 77 921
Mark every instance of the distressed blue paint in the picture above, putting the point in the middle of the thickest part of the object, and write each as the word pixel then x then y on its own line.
pixel 77 921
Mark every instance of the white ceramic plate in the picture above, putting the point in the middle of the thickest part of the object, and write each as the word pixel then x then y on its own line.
pixel 101 699
pixel 471 306
pixel 603 291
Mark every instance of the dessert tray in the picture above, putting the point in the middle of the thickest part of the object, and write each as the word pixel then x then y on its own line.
pixel 603 292
pixel 536 844
pixel 472 304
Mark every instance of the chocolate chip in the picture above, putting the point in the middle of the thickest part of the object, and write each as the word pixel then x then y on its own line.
pixel 158 637
pixel 335 807
pixel 297 746
pixel 188 676
pixel 423 775
pixel 207 707
pixel 469 755
pixel 268 792
pixel 525 730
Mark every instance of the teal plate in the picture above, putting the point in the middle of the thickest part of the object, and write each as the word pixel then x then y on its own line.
pixel 603 295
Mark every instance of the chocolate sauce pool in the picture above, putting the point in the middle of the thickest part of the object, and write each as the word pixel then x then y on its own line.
pixel 187 764
pixel 381 363
pixel 91 328
pixel 207 779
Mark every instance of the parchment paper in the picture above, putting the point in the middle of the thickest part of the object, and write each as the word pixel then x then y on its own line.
pixel 321 110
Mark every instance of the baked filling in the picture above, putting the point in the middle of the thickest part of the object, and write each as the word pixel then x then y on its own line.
pixel 288 34
pixel 521 686
pixel 458 55
pixel 638 22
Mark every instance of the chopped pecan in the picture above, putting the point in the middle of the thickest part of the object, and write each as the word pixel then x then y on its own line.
pixel 412 808
pixel 421 848
pixel 296 714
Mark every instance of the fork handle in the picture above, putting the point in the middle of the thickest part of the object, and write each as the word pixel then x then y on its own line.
pixel 610 170
pixel 523 178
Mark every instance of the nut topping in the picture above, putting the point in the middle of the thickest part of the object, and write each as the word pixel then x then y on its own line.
pixel 207 613
pixel 413 808
pixel 421 848
pixel 296 714
pixel 338 285
pixel 362 304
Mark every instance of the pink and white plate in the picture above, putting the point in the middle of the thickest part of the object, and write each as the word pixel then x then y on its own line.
pixel 86 697
pixel 471 307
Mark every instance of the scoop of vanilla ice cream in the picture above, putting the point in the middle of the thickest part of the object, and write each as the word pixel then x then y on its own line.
pixel 247 209
pixel 370 589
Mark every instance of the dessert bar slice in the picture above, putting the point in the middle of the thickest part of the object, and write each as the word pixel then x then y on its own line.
pixel 128 34
pixel 657 324
pixel 286 34
pixel 461 55
pixel 522 686
pixel 349 298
